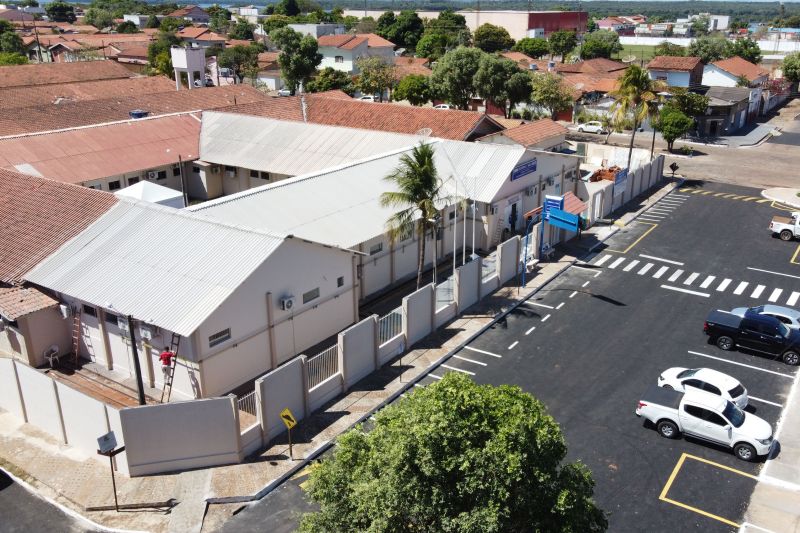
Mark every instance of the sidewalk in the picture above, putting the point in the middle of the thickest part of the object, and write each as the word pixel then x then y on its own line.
pixel 178 502
pixel 784 195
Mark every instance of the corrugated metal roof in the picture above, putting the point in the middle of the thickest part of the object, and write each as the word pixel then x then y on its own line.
pixel 481 168
pixel 145 261
pixel 287 147
pixel 149 192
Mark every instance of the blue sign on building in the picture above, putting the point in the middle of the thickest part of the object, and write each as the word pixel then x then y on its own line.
pixel 523 169
pixel 620 181
pixel 552 202
pixel 564 220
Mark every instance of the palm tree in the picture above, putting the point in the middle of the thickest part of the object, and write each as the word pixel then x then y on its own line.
pixel 635 91
pixel 418 191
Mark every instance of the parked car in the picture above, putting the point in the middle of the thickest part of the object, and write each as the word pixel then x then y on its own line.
pixel 442 106
pixel 370 98
pixel 593 126
pixel 708 417
pixel 760 333
pixel 787 315
pixel 685 379
pixel 284 92
pixel 787 228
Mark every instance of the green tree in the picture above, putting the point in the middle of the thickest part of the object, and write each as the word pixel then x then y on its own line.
pixel 454 74
pixel 385 23
pixel 666 48
pixel 330 79
pixel 414 88
pixel 170 25
pixel 350 22
pixel 240 59
pixel 432 46
pixel 158 55
pixel 299 56
pixel 152 22
pixel 275 22
pixel 459 457
pixel 700 25
pixel 710 49
pixel 290 8
pixel 491 38
pixel 673 125
pixel 366 25
pixel 550 92
pixel 747 49
pixel 532 47
pixel 418 192
pixel 99 18
pixel 688 103
pixel 636 90
pixel 791 67
pixel 11 43
pixel 242 30
pixel 601 43
pixel 375 76
pixel 518 89
pixel 216 10
pixel 12 58
pixel 501 82
pixel 406 30
pixel 562 42
pixel 127 27
pixel 59 11
pixel 29 3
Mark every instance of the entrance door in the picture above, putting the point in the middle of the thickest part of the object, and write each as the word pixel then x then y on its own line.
pixel 712 128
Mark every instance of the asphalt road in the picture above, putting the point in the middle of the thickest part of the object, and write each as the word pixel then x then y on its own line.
pixel 593 340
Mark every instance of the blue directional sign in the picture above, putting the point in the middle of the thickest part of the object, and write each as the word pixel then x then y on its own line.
pixel 564 220
pixel 523 169
pixel 552 202
pixel 620 181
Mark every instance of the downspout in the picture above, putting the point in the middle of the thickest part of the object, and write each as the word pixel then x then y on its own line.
pixel 304 107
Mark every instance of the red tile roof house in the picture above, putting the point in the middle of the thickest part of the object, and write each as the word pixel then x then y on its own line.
pixel 729 72
pixel 192 13
pixel 543 134
pixel 676 71
pixel 341 52
pixel 39 216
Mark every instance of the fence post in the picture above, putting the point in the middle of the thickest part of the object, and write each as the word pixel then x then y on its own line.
pixel 260 412
pixel 433 307
pixel 342 361
pixel 304 378
pixel 457 290
pixel 235 408
pixel 376 341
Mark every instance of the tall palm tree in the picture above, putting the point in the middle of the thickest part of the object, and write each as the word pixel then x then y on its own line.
pixel 418 191
pixel 635 91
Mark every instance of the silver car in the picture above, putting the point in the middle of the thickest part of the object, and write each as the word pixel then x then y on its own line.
pixel 787 315
pixel 593 126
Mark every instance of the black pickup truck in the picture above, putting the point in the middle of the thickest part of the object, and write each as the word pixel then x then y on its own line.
pixel 764 334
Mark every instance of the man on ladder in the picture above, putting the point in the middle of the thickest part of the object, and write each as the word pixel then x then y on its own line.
pixel 167 357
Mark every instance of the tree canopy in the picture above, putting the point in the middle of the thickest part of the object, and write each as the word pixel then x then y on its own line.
pixel 791 67
pixel 299 56
pixel 532 47
pixel 414 88
pixel 241 60
pixel 747 49
pixel 127 27
pixel 12 58
pixel 329 79
pixel 404 30
pixel 59 11
pixel 375 76
pixel 158 55
pixel 99 18
pixel 454 74
pixel 550 92
pixel 710 49
pixel 10 41
pixel 666 48
pixel 673 125
pixel 491 38
pixel 242 29
pixel 501 82
pixel 455 457
pixel 688 103
pixel 600 43
pixel 562 42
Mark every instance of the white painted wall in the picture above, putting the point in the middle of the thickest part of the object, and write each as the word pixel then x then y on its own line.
pixel 418 314
pixel 84 419
pixel 281 388
pixel 672 78
pixel 467 282
pixel 41 400
pixel 359 344
pixel 349 58
pixel 10 400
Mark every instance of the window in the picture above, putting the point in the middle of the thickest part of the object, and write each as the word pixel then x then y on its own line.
pixel 339 59
pixel 230 169
pixel 265 176
pixel 89 310
pixel 162 175
pixel 131 181
pixel 176 171
pixel 196 169
pixel 451 215
pixel 219 338
pixel 340 281
pixel 313 294
pixel 696 383
pixel 254 173
pixel 693 410
pixel 708 387
pixel 376 248
pixel 113 185
pixel 714 418
pixel 111 318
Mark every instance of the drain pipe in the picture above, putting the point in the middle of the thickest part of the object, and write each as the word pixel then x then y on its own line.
pixel 304 107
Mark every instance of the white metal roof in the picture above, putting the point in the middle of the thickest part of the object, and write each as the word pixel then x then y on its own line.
pixel 289 147
pixel 341 206
pixel 167 267
pixel 149 192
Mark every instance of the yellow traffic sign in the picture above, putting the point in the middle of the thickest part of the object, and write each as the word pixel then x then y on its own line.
pixel 288 418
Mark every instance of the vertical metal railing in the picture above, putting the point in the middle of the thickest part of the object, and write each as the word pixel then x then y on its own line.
pixel 322 366
pixel 390 325
pixel 247 403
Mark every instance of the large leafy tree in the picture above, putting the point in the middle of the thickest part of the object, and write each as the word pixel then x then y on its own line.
pixel 700 25
pixel 158 55
pixel 532 47
pixel 407 30
pixel 491 38
pixel 747 49
pixel 385 23
pixel 290 8
pixel 432 46
pixel 666 48
pixel 710 49
pixel 59 11
pixel 501 82
pixel 12 58
pixel 791 67
pixel 562 42
pixel 375 76
pixel 550 92
pixel 299 56
pixel 600 43
pixel 99 18
pixel 276 21
pixel 418 192
pixel 10 41
pixel 127 27
pixel 170 24
pixel 688 103
pixel 633 97
pixel 673 125
pixel 242 30
pixel 454 74
pixel 330 79
pixel 455 457
pixel 452 27
pixel 414 88
pixel 240 59
pixel 152 22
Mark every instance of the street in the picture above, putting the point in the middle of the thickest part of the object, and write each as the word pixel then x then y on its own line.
pixel 591 342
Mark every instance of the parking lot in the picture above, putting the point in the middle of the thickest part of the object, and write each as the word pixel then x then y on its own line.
pixel 593 340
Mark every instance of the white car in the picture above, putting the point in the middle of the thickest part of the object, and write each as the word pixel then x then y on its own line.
pixel 683 379
pixel 284 92
pixel 369 98
pixel 592 127
pixel 786 315
pixel 442 106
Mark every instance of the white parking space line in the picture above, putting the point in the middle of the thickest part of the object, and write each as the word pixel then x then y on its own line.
pixel 573 294
pixel 671 201
pixel 724 284
pixel 645 269
pixel 630 265
pixel 741 287
pixel 660 272
pixel 484 352
pixel 654 258
pixel 418 385
pixel 545 318
pixel 678 273
pixel 764 401
pixel 530 330
pixel 757 292
pixel 469 360
pixel 693 276
pixel 707 282
pixel 595 275
pixel 617 263
pixel 539 305
pixel 512 345
pixel 687 291
pixel 602 260
pixel 585 283
pixel 775 295
pixel 789 376
pixel 458 370
pixel 771 272
pixel 559 306
pixel 650 218
pixel 434 376
pixel 793 298
pixel 659 211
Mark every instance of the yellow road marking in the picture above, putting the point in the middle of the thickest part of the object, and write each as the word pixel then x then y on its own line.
pixel 730 195
pixel 794 260
pixel 697 191
pixel 728 468
pixel 719 194
pixel 643 235
pixel 707 192
pixel 672 476
pixel 687 189
pixel 701 512
pixel 763 201
pixel 750 198
pixel 778 205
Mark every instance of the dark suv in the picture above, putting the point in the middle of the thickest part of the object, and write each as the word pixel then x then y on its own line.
pixel 760 333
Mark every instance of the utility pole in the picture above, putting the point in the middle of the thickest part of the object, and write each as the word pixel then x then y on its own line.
pixel 136 366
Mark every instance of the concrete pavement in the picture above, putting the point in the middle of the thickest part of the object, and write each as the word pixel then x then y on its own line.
pixel 784 195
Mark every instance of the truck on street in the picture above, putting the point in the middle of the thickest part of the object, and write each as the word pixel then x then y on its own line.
pixel 706 416
pixel 760 333
pixel 787 228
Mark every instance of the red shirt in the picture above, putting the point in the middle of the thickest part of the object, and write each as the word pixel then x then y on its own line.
pixel 166 357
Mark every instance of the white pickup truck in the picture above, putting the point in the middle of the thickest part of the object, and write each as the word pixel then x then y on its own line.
pixel 706 416
pixel 786 228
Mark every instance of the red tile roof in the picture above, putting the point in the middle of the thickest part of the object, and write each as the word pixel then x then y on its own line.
pixel 586 83
pixel 53 73
pixel 185 10
pixel 14 97
pixel 40 215
pixel 17 302
pixel 15 14
pixel 85 154
pixel 682 64
pixel 737 66
pixel 406 66
pixel 191 32
pixel 535 132
pixel 69 115
pixel 597 66
pixel 345 41
pixel 376 41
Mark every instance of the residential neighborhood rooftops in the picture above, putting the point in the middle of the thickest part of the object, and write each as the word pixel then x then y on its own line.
pixel 55 73
pixel 406 66
pixel 40 215
pixel 17 302
pixel 83 154
pixel 737 66
pixel 727 95
pixel 15 15
pixel 184 11
pixel 533 132
pixel 597 66
pixel 673 63
pixel 349 41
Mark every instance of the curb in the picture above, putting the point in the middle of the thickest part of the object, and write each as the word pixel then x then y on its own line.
pixel 793 203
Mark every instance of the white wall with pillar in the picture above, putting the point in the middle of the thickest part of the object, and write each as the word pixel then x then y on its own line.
pixel 192 61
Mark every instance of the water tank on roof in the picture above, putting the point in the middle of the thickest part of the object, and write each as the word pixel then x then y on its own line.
pixel 138 113
pixel 533 66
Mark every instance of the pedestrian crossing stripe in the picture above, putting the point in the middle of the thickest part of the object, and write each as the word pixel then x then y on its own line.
pixel 740 197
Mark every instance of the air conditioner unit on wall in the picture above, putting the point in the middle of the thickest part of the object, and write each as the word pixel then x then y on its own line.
pixel 152 174
pixel 66 311
pixel 530 191
pixel 146 333
pixel 287 303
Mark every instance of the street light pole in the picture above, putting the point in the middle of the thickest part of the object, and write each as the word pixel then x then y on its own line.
pixel 136 366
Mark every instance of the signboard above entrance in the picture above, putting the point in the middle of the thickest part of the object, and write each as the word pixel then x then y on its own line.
pixel 523 169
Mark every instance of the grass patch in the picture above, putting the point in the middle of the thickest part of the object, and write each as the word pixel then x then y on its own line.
pixel 641 53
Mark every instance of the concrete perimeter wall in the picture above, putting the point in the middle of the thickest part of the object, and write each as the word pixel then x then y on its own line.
pixel 283 387
pixel 418 314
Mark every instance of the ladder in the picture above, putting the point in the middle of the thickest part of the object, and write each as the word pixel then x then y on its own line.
pixel 174 344
pixel 498 234
pixel 76 334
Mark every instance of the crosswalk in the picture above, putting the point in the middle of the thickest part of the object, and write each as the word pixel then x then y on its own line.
pixel 663 208
pixel 725 195
pixel 697 280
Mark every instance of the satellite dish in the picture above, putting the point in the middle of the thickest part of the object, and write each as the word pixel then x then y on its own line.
pixel 629 59
pixel 425 132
